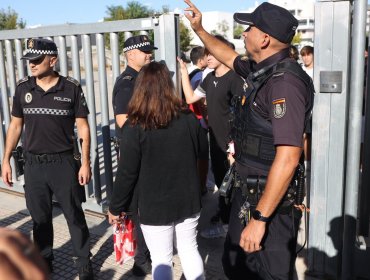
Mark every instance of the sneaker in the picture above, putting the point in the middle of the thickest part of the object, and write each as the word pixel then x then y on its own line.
pixel 215 231
pixel 85 272
pixel 141 270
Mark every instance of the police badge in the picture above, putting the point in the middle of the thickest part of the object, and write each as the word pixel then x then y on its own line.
pixel 279 108
pixel 28 97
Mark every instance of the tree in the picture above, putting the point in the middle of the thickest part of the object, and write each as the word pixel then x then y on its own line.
pixel 133 10
pixel 238 31
pixel 185 37
pixel 9 20
pixel 222 29
pixel 297 39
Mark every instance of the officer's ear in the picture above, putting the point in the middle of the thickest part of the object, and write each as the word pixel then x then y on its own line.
pixel 53 60
pixel 265 40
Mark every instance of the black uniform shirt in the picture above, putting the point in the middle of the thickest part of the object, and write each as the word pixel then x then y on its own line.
pixel 49 117
pixel 284 101
pixel 123 90
pixel 218 92
pixel 122 93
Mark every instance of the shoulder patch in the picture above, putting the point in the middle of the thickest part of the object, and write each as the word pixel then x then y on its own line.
pixel 25 79
pixel 72 80
pixel 279 107
pixel 127 77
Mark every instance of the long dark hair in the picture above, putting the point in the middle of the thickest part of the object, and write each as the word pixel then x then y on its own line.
pixel 154 102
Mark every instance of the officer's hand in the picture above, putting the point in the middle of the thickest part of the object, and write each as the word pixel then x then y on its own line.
pixel 84 175
pixel 251 237
pixel 193 15
pixel 19 258
pixel 6 174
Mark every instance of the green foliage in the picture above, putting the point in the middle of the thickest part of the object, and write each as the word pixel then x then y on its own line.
pixel 131 11
pixel 185 37
pixel 238 31
pixel 9 20
pixel 297 39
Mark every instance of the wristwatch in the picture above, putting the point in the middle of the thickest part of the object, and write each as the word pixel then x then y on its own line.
pixel 258 216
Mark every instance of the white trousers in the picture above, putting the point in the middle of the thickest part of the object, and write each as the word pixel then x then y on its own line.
pixel 183 235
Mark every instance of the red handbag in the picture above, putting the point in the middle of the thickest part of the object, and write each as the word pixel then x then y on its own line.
pixel 124 240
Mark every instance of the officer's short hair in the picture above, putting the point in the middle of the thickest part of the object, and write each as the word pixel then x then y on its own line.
pixel 196 53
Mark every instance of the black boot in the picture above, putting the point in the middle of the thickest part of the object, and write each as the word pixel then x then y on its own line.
pixel 85 271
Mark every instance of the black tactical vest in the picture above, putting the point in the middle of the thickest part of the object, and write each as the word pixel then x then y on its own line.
pixel 251 133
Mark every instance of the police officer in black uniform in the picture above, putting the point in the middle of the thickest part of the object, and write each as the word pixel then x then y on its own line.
pixel 49 105
pixel 267 133
pixel 138 52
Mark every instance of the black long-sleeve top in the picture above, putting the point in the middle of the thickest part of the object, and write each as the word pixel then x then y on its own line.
pixel 162 165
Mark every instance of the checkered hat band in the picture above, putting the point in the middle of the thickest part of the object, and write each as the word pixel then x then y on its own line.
pixel 47 111
pixel 136 46
pixel 41 51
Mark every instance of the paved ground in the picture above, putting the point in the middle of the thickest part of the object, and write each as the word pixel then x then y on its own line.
pixel 13 214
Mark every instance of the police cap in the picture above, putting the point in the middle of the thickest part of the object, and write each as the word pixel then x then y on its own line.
pixel 271 19
pixel 36 48
pixel 140 42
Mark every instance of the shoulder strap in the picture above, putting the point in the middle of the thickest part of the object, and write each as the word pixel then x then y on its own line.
pixel 25 79
pixel 193 73
pixel 72 80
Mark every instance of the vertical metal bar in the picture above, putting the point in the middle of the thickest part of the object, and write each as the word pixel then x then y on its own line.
pixel 86 45
pixel 18 55
pixel 329 131
pixel 76 72
pixel 364 213
pixel 105 115
pixel 115 51
pixel 169 44
pixel 4 89
pixel 128 34
pixel 354 138
pixel 2 139
pixel 62 54
pixel 10 64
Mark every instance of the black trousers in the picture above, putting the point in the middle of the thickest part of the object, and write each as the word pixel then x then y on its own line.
pixel 277 258
pixel 142 254
pixel 45 176
pixel 220 165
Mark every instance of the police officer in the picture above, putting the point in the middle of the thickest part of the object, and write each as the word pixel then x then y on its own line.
pixel 49 105
pixel 267 131
pixel 138 52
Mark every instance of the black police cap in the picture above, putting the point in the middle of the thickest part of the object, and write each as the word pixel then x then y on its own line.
pixel 36 48
pixel 140 42
pixel 271 19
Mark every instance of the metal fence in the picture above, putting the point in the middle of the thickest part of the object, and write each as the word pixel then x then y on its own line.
pixel 83 55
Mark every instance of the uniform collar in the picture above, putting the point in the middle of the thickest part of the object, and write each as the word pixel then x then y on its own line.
pixel 275 58
pixel 59 86
pixel 131 71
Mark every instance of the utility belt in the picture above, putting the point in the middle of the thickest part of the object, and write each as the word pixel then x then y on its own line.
pixel 46 158
pixel 253 187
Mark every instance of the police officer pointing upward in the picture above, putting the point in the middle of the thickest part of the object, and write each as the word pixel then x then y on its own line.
pixel 267 131
pixel 138 52
pixel 49 105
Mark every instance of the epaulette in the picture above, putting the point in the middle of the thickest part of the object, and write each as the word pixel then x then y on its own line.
pixel 25 79
pixel 127 77
pixel 72 80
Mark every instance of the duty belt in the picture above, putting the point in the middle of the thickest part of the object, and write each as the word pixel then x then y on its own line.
pixel 254 187
pixel 46 158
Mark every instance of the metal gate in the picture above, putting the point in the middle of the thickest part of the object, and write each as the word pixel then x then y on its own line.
pixel 84 56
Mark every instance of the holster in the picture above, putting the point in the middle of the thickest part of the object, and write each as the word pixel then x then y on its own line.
pixel 18 160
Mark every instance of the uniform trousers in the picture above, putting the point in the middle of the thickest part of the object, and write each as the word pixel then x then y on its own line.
pixel 220 166
pixel 277 258
pixel 55 174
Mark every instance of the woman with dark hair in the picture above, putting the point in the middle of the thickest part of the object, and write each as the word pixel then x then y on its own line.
pixel 160 145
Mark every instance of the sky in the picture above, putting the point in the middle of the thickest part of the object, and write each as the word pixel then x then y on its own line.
pixel 49 12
